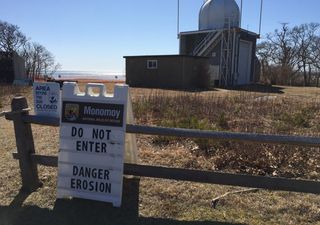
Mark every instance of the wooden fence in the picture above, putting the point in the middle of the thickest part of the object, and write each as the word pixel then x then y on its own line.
pixel 28 159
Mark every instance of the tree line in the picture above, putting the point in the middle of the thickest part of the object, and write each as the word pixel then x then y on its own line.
pixel 291 55
pixel 38 60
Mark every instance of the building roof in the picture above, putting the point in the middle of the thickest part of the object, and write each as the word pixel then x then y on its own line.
pixel 163 56
pixel 207 31
pixel 8 54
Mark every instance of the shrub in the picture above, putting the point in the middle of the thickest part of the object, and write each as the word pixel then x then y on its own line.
pixel 164 140
pixel 206 145
pixel 298 119
pixel 222 121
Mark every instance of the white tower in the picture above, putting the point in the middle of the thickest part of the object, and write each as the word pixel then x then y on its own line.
pixel 219 14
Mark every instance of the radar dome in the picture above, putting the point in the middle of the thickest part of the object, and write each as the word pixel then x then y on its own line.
pixel 218 14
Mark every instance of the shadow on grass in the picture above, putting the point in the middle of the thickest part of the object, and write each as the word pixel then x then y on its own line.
pixel 79 211
pixel 260 88
pixel 190 90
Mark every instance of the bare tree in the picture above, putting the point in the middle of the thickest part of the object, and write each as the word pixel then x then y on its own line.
pixel 26 53
pixel 283 53
pixel 290 54
pixel 315 57
pixel 11 38
pixel 39 61
pixel 264 53
pixel 304 36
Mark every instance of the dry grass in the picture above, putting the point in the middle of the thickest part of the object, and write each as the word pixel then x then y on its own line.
pixel 238 113
pixel 171 202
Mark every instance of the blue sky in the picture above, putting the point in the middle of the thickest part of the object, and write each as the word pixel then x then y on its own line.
pixel 95 35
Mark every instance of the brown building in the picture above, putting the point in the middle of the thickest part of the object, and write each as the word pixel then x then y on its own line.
pixel 12 67
pixel 219 53
pixel 167 71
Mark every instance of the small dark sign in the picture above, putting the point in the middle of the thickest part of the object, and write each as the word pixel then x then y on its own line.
pixel 92 113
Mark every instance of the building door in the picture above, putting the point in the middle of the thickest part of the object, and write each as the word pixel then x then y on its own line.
pixel 244 66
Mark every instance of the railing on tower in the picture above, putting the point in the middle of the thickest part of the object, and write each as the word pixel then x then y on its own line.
pixel 206 43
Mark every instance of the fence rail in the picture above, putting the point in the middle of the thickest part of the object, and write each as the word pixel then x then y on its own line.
pixel 28 159
pixel 191 133
pixel 271 183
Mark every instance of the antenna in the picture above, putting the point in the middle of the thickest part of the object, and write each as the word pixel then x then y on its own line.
pixel 261 8
pixel 241 6
pixel 178 20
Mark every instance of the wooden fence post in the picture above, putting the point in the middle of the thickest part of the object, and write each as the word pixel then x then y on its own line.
pixel 25 146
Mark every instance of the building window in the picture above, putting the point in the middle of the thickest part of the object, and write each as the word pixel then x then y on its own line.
pixel 152 64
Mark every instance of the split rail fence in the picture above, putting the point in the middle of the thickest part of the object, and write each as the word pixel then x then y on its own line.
pixel 28 159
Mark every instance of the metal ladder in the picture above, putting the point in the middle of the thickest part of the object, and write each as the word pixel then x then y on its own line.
pixel 227 48
pixel 206 43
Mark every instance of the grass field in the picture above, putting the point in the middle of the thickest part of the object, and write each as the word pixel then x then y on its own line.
pixel 277 110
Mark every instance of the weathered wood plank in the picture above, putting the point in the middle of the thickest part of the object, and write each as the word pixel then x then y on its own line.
pixel 42 120
pixel 44 160
pixel 9 115
pixel 270 183
pixel 191 133
pixel 225 136
pixel 25 145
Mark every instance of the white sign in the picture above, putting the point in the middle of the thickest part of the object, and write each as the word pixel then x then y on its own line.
pixel 92 143
pixel 47 99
